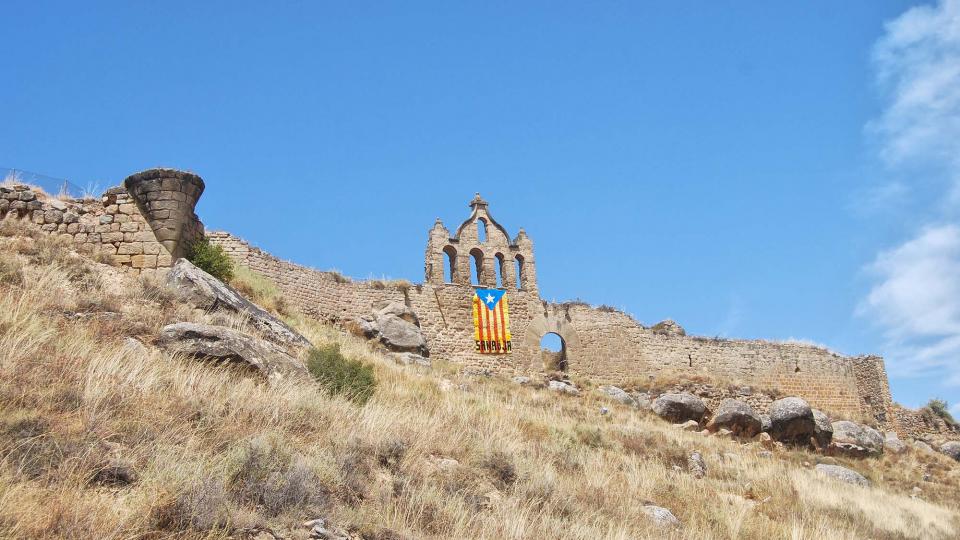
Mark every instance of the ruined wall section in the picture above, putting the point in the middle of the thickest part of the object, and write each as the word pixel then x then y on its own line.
pixel 615 348
pixel 326 296
pixel 923 424
pixel 110 227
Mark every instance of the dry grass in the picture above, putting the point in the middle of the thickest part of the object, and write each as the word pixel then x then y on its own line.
pixel 215 450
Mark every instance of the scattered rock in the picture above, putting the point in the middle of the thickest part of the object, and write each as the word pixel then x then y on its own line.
pixel 678 408
pixel 791 421
pixel 135 346
pixel 689 425
pixel 209 293
pixel 401 310
pixel 922 446
pixel 765 440
pixel 737 417
pixel 951 449
pixel 321 530
pixel 563 386
pixel 643 400
pixel 604 411
pixel 696 465
pixel 857 440
pixel 765 422
pixel 892 443
pixel 822 429
pixel 225 344
pixel 444 463
pixel 661 516
pixel 411 359
pixel 724 433
pixel 843 474
pixel 617 394
pixel 521 380
pixel 765 454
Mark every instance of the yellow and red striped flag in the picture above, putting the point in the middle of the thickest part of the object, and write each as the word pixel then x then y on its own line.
pixel 491 322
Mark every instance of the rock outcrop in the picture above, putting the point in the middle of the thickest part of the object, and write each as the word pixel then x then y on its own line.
pixel 678 408
pixel 856 440
pixel 736 416
pixel 791 421
pixel 951 449
pixel 842 474
pixel 822 429
pixel 206 292
pixel 220 343
pixel 618 394
pixel 397 327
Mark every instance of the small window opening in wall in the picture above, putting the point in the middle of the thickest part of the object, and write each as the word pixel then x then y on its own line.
pixel 689 360
pixel 450 269
pixel 518 267
pixel 482 229
pixel 554 352
pixel 498 268
pixel 476 269
pixel 796 369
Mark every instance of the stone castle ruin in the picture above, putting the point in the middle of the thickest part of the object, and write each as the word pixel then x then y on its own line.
pixel 144 226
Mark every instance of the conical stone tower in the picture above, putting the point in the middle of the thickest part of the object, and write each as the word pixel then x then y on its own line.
pixel 167 198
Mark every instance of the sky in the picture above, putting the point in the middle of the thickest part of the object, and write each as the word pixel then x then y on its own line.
pixel 784 171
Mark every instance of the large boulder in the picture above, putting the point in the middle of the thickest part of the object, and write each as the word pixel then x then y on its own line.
pixel 220 343
pixel 400 335
pixel 842 474
pixel 397 327
pixel 857 440
pixel 892 443
pixel 206 292
pixel 618 394
pixel 822 429
pixel 736 416
pixel 791 421
pixel 660 516
pixel 678 408
pixel 951 449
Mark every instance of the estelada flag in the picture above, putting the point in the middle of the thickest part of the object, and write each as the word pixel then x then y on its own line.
pixel 491 321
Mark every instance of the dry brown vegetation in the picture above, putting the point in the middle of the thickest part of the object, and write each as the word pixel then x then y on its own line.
pixel 102 440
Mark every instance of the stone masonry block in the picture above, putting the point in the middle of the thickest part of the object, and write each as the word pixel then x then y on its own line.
pixel 132 248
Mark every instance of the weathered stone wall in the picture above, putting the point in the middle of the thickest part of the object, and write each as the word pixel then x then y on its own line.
pixel 115 226
pixel 603 345
pixel 923 424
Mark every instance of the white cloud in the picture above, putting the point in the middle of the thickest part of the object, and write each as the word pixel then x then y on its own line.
pixel 918 64
pixel 917 300
pixel 916 296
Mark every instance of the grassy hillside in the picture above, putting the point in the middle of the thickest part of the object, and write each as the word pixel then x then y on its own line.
pixel 102 439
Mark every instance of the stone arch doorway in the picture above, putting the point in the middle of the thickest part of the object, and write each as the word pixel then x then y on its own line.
pixel 569 342
pixel 553 351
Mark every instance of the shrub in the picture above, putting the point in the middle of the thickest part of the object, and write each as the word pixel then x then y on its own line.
pixel 11 271
pixel 211 259
pixel 940 408
pixel 341 376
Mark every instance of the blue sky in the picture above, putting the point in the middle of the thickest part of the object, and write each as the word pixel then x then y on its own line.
pixel 751 170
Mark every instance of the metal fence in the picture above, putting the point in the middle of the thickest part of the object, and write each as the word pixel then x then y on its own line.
pixel 50 184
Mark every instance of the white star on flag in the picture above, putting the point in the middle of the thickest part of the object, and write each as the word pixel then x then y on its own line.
pixel 489 298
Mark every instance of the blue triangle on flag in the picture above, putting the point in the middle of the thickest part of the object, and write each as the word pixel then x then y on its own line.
pixel 490 297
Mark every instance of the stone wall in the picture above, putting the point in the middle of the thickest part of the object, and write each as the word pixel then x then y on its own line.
pixel 603 345
pixel 924 425
pixel 116 227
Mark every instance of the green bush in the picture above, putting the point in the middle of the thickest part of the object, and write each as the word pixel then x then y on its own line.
pixel 211 259
pixel 941 409
pixel 341 376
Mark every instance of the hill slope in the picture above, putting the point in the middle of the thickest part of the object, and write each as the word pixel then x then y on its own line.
pixel 103 438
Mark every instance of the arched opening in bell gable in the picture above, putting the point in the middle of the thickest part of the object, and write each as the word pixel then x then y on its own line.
pixel 450 265
pixel 476 269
